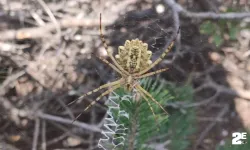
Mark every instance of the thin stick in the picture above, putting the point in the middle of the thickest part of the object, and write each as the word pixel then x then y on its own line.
pixel 36 134
pixel 52 17
pixel 132 137
pixel 10 79
pixel 69 112
pixel 45 31
pixel 82 125
pixel 44 145
pixel 206 15
pixel 211 125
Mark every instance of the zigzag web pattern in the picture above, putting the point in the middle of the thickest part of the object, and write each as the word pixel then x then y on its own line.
pixel 113 132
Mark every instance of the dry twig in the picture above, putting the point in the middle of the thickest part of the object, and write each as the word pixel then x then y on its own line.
pixel 82 125
pixel 205 15
pixel 45 31
pixel 211 125
pixel 44 144
pixel 36 134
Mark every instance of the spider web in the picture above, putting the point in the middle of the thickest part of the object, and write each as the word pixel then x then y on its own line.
pixel 152 27
pixel 113 133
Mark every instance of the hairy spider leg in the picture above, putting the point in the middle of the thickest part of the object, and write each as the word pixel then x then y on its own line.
pixel 161 57
pixel 97 89
pixel 152 110
pixel 108 51
pixel 97 99
pixel 111 65
pixel 138 87
pixel 158 60
pixel 151 73
pixel 149 104
pixel 103 94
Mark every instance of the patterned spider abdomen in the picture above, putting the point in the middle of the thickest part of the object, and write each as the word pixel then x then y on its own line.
pixel 134 56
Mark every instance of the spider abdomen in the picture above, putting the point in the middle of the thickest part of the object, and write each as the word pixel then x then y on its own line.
pixel 134 56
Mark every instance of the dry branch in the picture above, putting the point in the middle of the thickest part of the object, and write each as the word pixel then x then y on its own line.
pixel 211 125
pixel 36 134
pixel 52 17
pixel 222 89
pixel 10 79
pixel 82 125
pixel 205 15
pixel 44 144
pixel 45 31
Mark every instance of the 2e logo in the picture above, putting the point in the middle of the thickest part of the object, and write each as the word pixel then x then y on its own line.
pixel 238 138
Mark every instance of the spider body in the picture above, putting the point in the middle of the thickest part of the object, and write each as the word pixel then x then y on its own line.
pixel 134 56
pixel 132 62
pixel 129 82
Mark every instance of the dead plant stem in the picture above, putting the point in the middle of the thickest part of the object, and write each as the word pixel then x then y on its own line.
pixel 131 140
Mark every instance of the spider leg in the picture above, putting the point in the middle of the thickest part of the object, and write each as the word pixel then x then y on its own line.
pixel 96 90
pixel 111 65
pixel 151 73
pixel 97 99
pixel 150 106
pixel 108 51
pixel 151 97
pixel 161 57
pixel 103 94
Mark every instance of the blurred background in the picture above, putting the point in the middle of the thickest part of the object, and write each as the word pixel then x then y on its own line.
pixel 48 52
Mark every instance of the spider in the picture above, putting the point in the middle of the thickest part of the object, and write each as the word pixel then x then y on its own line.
pixel 132 62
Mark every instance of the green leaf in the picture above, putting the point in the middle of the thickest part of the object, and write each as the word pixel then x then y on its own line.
pixel 233 33
pixel 218 40
pixel 208 27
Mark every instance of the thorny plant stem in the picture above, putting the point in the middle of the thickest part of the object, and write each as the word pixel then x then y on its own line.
pixel 131 139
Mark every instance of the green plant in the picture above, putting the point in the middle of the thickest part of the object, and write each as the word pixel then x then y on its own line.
pixel 141 129
pixel 217 30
